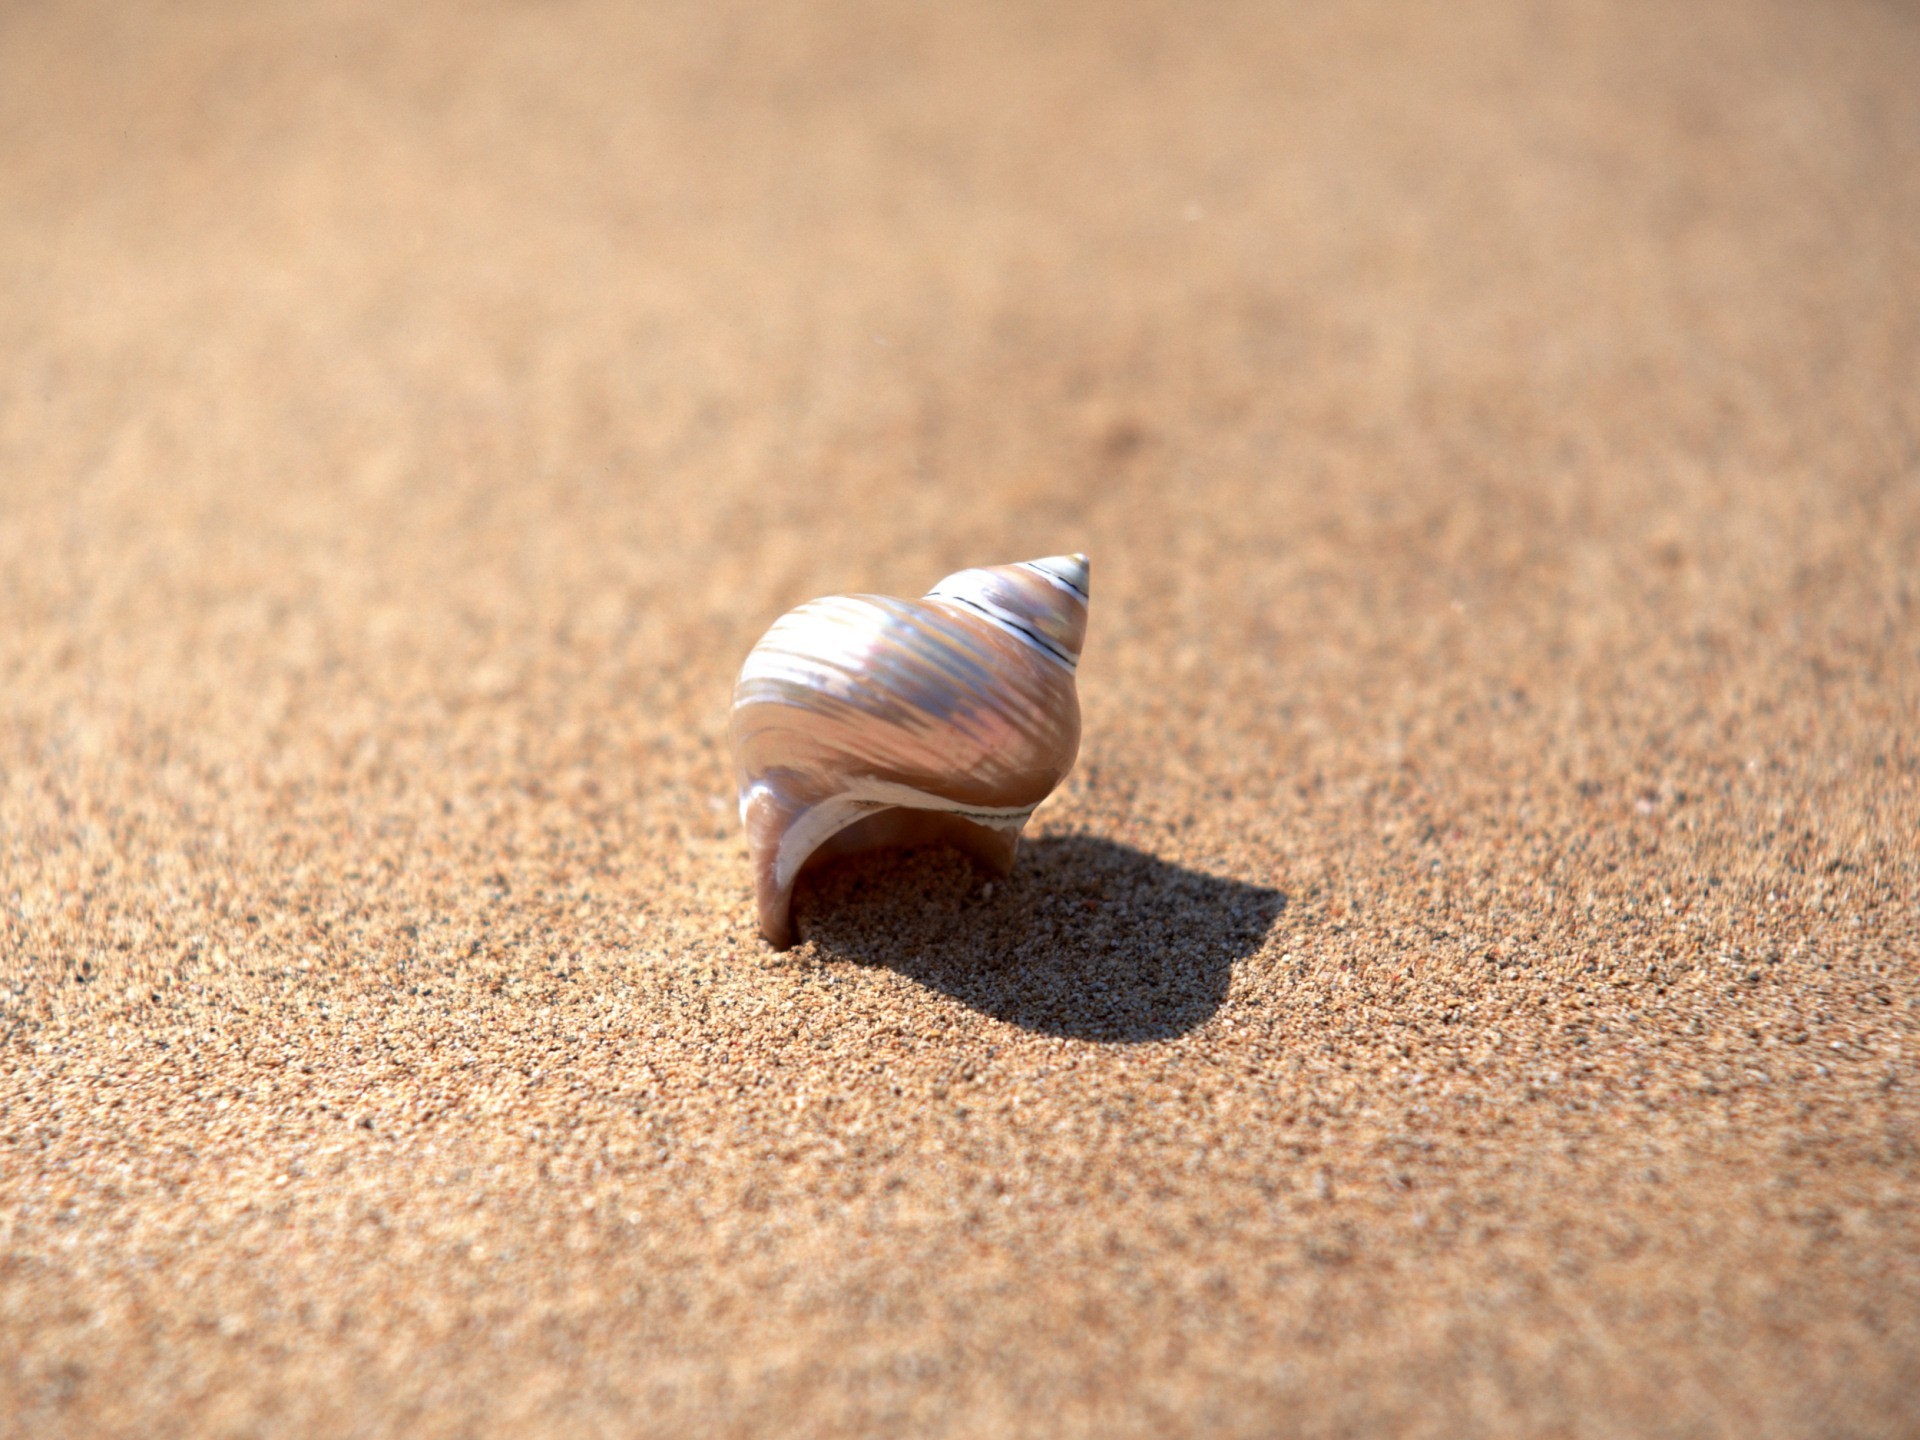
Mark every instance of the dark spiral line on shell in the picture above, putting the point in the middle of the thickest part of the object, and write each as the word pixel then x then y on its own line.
pixel 1040 642
pixel 1054 579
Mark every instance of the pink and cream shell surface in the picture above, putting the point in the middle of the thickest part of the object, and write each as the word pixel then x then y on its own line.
pixel 863 720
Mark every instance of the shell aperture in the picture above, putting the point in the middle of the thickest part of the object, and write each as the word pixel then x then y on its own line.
pixel 864 720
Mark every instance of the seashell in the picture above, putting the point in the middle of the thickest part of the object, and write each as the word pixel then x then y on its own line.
pixel 864 720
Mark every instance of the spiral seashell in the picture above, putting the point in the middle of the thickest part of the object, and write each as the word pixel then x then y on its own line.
pixel 863 720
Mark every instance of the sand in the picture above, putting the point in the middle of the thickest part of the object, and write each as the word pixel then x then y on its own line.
pixel 1469 983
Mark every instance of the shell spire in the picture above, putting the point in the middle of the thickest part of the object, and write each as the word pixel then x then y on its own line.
pixel 864 720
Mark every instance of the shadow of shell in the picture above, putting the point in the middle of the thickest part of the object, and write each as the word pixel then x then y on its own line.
pixel 1087 938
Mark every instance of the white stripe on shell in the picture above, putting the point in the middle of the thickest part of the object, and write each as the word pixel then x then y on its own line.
pixel 1005 619
pixel 862 797
pixel 1059 582
pixel 1013 624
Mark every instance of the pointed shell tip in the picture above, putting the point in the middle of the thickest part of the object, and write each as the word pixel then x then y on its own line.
pixel 1070 569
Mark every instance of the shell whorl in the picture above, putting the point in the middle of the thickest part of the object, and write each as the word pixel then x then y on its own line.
pixel 863 720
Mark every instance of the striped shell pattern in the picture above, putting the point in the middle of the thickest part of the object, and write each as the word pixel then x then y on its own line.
pixel 863 720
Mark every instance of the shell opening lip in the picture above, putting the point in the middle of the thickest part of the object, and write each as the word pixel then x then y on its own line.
pixel 862 797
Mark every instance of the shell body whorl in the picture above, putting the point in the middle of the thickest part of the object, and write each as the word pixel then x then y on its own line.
pixel 863 720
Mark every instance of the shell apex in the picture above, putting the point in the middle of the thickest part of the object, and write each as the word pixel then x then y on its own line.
pixel 1042 601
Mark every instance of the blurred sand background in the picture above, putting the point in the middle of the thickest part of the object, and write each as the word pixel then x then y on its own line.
pixel 1469 984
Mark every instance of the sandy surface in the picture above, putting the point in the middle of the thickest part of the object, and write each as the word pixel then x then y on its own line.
pixel 1469 984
